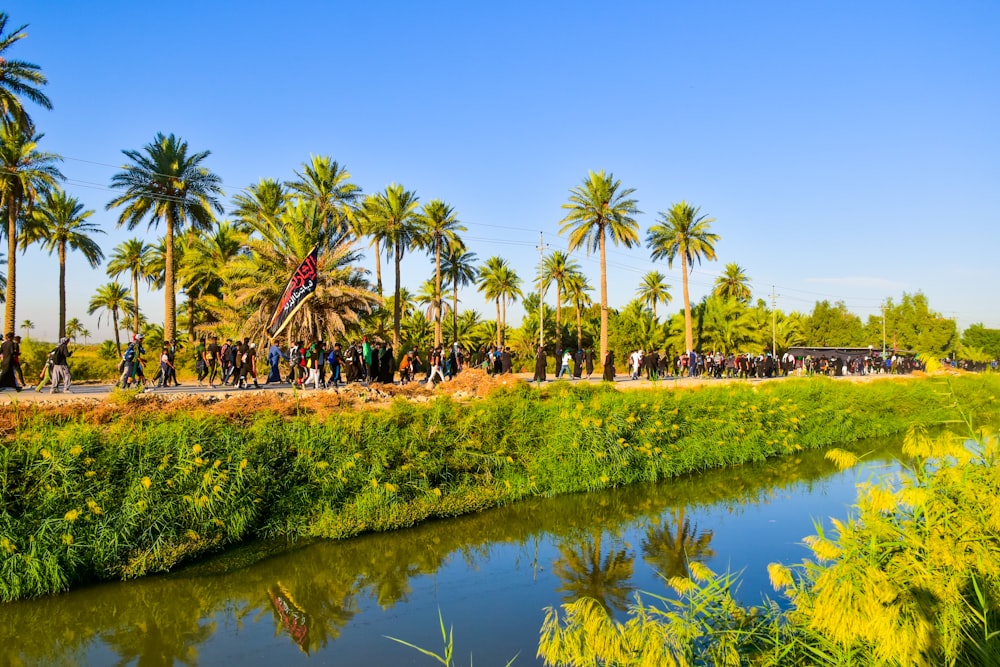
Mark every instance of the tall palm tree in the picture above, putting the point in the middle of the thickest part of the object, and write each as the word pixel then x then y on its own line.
pixel 556 268
pixel 260 202
pixel 393 215
pixel 599 208
pixel 18 78
pixel 441 225
pixel 682 232
pixel 327 185
pixel 28 325
pixel 577 289
pixel 733 284
pixel 205 259
pixel 73 327
pixel 459 269
pixel 57 223
pixel 427 296
pixel 132 257
pixel 25 172
pixel 111 299
pixel 653 290
pixel 499 282
pixel 165 182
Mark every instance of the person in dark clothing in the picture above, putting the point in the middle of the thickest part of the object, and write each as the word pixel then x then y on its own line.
pixel 386 365
pixel 18 373
pixel 540 363
pixel 376 362
pixel 578 364
pixel 8 352
pixel 212 359
pixel 609 366
pixel 506 361
pixel 588 360
pixel 60 366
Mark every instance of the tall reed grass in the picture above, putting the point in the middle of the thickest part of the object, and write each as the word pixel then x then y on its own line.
pixel 84 500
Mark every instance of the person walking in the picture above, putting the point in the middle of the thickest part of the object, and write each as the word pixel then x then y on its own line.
pixel 45 376
pixel 274 357
pixel 609 366
pixel 165 367
pixel 60 366
pixel 212 359
pixel 18 373
pixel 540 362
pixel 7 371
pixel 201 360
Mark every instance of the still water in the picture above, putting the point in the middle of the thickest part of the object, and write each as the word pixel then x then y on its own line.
pixel 491 575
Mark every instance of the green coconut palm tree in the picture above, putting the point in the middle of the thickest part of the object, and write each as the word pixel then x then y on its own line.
pixel 500 283
pixel 164 182
pixel 59 223
pixel 458 266
pixel 441 226
pixel 131 257
pixel 393 217
pixel 733 284
pixel 28 325
pixel 578 290
pixel 600 208
pixel 25 173
pixel 556 268
pixel 110 299
pixel 260 202
pixel 18 79
pixel 653 290
pixel 682 232
pixel 328 185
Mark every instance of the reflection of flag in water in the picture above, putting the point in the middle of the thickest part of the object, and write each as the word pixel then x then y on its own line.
pixel 300 286
pixel 295 620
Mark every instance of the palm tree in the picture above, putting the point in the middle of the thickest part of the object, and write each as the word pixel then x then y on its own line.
pixel 131 257
pixel 670 546
pixel 682 232
pixel 653 290
pixel 599 208
pixel 577 288
pixel 442 226
pixel 263 201
pixel 499 282
pixel 74 327
pixel 57 223
pixel 327 185
pixel 111 298
pixel 393 215
pixel 165 182
pixel 459 269
pixel 556 268
pixel 86 334
pixel 18 78
pixel 25 172
pixel 733 284
pixel 28 325
pixel 427 296
pixel 205 259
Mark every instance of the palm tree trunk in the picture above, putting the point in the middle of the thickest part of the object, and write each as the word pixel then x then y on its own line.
pixel 396 305
pixel 503 329
pixel 11 261
pixel 378 266
pixel 191 320
pixel 558 316
pixel 688 334
pixel 579 327
pixel 499 330
pixel 135 302
pixel 169 296
pixel 604 295
pixel 454 312
pixel 62 289
pixel 118 338
pixel 437 290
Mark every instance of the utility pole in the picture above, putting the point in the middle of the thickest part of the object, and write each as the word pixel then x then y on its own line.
pixel 541 302
pixel 774 323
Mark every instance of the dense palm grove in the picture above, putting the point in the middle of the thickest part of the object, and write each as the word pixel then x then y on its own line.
pixel 228 263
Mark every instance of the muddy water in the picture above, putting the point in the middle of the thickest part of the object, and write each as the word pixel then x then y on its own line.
pixel 490 575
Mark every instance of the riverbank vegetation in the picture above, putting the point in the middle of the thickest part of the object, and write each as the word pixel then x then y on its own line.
pixel 119 491
pixel 911 579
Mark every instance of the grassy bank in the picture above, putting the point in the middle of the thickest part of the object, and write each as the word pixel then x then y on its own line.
pixel 118 491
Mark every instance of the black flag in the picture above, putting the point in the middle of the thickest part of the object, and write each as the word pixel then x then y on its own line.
pixel 300 286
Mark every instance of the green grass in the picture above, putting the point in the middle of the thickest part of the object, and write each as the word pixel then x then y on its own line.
pixel 84 501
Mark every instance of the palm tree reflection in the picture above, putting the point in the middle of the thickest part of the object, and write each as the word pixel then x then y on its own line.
pixel 586 571
pixel 674 543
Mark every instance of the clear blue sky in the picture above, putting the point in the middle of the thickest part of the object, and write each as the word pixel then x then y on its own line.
pixel 848 151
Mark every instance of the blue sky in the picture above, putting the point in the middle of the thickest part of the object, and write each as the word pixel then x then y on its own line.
pixel 848 151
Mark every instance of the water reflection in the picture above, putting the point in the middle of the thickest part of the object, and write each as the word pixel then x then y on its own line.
pixel 263 605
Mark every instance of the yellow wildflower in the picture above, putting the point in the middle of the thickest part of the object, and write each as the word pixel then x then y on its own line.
pixel 75 450
pixel 45 454
pixel 196 449
pixel 146 482
pixel 67 539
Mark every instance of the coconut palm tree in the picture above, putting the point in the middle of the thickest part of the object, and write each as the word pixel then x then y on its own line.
pixel 597 209
pixel 262 201
pixel 577 289
pixel 59 223
pixel 733 284
pixel 682 232
pixel 73 328
pixel 25 173
pixel 458 266
pixel 327 185
pixel 28 325
pixel 653 290
pixel 556 268
pixel 441 226
pixel 257 279
pixel 427 296
pixel 393 218
pixel 166 183
pixel 499 282
pixel 131 257
pixel 18 78
pixel 110 299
